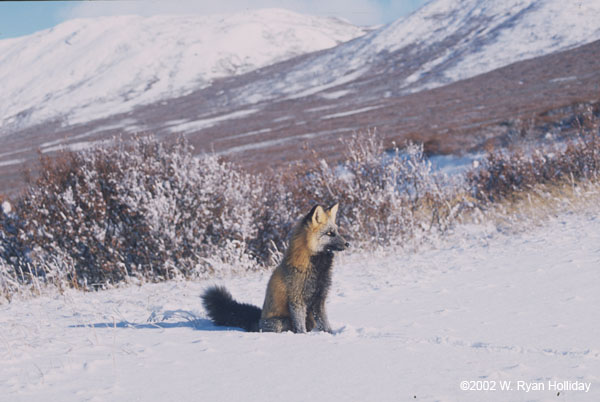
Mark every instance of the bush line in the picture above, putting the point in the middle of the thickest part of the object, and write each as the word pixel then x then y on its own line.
pixel 146 211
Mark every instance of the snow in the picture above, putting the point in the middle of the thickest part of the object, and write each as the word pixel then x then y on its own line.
pixel 86 69
pixel 335 94
pixel 321 108
pixel 76 146
pixel 242 135
pixel 485 305
pixel 6 207
pixel 448 41
pixel 511 30
pixel 454 164
pixel 89 68
pixel 315 88
pixel 13 152
pixel 564 79
pixel 507 32
pixel 544 27
pixel 11 162
pixel 279 141
pixel 199 124
pixel 351 112
pixel 282 118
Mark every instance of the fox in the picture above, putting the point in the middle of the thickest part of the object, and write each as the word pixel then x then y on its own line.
pixel 298 287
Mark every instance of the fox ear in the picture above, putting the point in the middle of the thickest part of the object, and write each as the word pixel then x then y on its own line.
pixel 332 211
pixel 317 215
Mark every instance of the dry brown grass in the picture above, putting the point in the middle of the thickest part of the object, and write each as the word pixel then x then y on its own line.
pixel 533 207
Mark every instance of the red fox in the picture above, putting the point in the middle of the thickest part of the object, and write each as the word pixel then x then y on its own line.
pixel 296 293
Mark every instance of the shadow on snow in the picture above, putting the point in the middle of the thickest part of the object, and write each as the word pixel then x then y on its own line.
pixel 191 320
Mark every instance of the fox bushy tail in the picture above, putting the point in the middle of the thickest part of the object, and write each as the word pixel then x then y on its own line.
pixel 224 311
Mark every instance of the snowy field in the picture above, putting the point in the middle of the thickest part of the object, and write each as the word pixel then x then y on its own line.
pixel 483 306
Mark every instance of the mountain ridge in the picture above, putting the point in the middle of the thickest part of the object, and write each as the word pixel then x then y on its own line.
pixel 263 117
pixel 94 67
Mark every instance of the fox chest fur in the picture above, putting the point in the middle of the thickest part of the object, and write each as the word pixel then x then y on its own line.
pixel 290 285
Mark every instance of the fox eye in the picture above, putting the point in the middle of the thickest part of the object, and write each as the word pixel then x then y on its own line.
pixel 330 233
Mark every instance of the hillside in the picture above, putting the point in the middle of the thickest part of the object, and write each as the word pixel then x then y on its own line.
pixel 443 42
pixel 455 76
pixel 538 95
pixel 84 69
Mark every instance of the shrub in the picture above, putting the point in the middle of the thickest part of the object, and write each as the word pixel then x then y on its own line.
pixel 141 210
pixel 504 174
pixel 386 197
pixel 147 211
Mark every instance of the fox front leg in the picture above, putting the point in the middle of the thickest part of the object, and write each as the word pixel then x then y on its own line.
pixel 310 321
pixel 298 317
pixel 321 319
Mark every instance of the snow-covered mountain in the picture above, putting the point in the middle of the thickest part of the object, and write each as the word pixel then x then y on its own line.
pixel 450 75
pixel 443 42
pixel 88 68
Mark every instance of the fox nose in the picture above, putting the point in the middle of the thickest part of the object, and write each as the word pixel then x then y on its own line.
pixel 347 245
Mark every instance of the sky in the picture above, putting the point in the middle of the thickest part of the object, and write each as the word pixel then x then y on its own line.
pixel 19 18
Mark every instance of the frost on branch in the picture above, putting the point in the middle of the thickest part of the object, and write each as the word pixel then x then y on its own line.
pixel 145 211
pixel 141 210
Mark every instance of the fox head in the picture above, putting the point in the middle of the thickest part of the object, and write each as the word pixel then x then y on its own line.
pixel 322 231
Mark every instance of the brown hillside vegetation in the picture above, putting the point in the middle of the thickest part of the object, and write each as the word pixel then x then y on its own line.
pixel 540 97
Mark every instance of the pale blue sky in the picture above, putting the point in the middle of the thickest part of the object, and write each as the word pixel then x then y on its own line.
pixel 19 18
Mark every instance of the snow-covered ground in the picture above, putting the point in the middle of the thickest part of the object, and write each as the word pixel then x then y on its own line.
pixel 484 306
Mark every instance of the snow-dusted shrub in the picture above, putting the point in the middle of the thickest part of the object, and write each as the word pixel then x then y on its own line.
pixel 151 211
pixel 385 197
pixel 503 174
pixel 14 262
pixel 143 209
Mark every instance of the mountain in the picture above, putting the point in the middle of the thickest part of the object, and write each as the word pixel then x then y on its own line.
pixel 443 42
pixel 455 75
pixel 539 95
pixel 84 69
